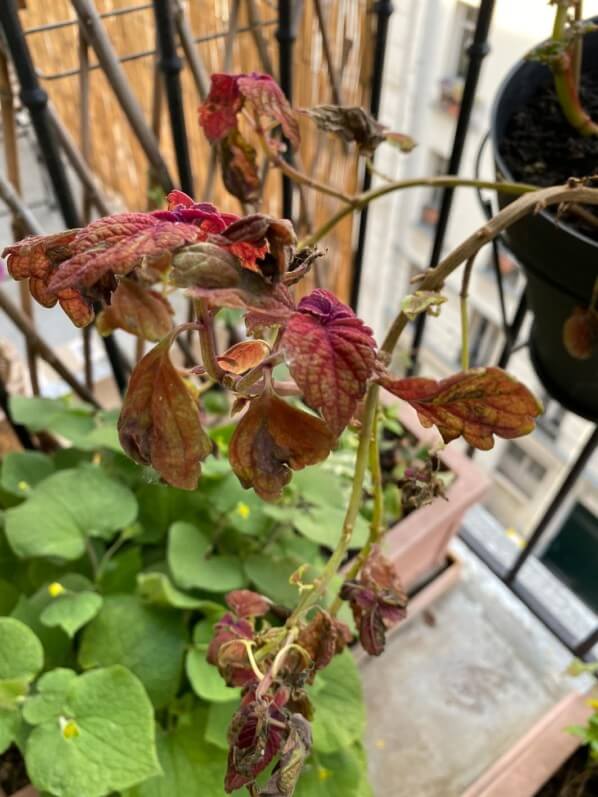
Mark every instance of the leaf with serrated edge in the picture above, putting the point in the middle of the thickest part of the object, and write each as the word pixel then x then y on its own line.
pixel 137 310
pixel 159 424
pixel 331 355
pixel 272 439
pixel 474 404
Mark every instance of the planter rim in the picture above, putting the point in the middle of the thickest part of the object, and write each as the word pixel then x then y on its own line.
pixel 511 76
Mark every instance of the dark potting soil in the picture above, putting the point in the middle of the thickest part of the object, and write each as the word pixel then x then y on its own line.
pixel 541 147
pixel 12 771
pixel 573 779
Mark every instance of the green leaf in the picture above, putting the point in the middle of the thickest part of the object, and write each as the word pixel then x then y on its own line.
pixel 50 695
pixel 205 679
pixel 157 589
pixel 187 548
pixel 11 728
pixel 104 739
pixel 147 640
pixel 270 576
pixel 337 694
pixel 55 642
pixel 323 525
pixel 340 774
pixel 9 595
pixel 119 574
pixel 21 655
pixel 71 611
pixel 190 765
pixel 219 717
pixel 318 485
pixel 65 508
pixel 22 470
pixel 160 506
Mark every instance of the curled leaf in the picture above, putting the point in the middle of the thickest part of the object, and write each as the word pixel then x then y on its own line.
pixel 269 102
pixel 272 439
pixel 239 167
pixel 296 749
pixel 422 302
pixel 244 356
pixel 322 639
pixel 218 114
pixel 159 424
pixel 228 650
pixel 137 310
pixel 474 404
pixel 355 124
pixel 580 333
pixel 331 355
pixel 246 603
pixel 377 600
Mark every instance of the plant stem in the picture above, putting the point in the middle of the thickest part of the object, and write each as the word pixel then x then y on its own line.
pixel 207 341
pixel 564 67
pixel 464 314
pixel 447 181
pixel 377 516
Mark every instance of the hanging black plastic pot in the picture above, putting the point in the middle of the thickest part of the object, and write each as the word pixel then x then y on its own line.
pixel 560 263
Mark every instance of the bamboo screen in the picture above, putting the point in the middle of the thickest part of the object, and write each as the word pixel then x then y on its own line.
pixel 117 158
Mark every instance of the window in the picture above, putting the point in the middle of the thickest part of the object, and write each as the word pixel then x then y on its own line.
pixel 521 469
pixel 438 165
pixel 466 20
pixel 550 421
pixel 451 87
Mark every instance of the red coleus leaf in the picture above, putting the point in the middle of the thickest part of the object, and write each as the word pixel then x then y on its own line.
pixel 256 735
pixel 352 123
pixel 153 240
pixel 137 310
pixel 272 439
pixel 297 747
pixel 244 356
pixel 228 650
pixel 269 102
pixel 331 355
pixel 218 114
pixel 159 424
pixel 322 638
pixel 246 603
pixel 377 601
pixel 228 93
pixel 580 333
pixel 474 404
pixel 37 255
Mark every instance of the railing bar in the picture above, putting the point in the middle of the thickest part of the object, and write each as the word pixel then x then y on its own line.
pixel 585 646
pixel 196 65
pixel 383 10
pixel 67 23
pixel 478 50
pixel 171 65
pixel 260 42
pixel 145 53
pixel 513 331
pixel 550 512
pixel 286 35
pixel 332 74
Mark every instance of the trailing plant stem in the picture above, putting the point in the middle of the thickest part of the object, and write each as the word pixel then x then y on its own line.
pixel 464 314
pixel 207 341
pixel 360 201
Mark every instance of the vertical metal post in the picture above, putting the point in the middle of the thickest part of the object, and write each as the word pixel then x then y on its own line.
pixel 477 51
pixel 35 99
pixel 21 432
pixel 576 470
pixel 383 10
pixel 171 66
pixel 286 35
pixel 586 645
pixel 512 331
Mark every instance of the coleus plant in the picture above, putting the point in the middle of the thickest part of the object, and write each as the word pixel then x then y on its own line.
pixel 127 264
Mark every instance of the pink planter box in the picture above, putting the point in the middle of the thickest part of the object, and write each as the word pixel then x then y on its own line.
pixel 418 544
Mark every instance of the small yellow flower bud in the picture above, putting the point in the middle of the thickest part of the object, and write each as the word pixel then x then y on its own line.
pixel 23 486
pixel 55 589
pixel 593 704
pixel 243 510
pixel 69 728
pixel 324 774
